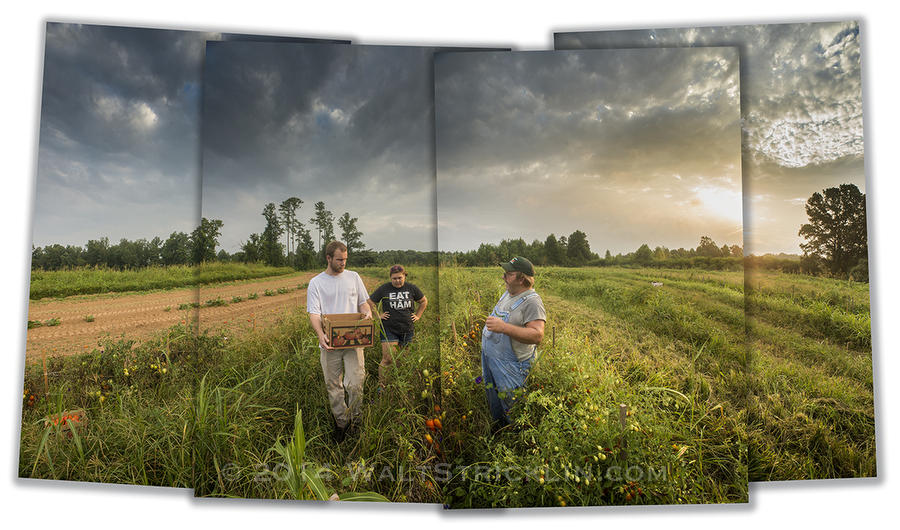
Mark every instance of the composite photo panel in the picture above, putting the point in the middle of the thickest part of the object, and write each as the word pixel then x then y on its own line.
pixel 318 176
pixel 109 367
pixel 812 409
pixel 590 235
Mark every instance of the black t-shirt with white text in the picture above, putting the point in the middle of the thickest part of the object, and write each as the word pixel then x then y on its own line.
pixel 400 305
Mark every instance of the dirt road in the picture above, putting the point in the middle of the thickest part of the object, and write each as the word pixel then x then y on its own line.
pixel 140 315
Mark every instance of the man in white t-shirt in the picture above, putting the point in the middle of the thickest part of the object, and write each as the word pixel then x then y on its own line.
pixel 339 291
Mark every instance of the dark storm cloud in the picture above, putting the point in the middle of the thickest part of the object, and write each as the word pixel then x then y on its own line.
pixel 114 95
pixel 119 145
pixel 586 132
pixel 348 125
pixel 323 111
pixel 801 102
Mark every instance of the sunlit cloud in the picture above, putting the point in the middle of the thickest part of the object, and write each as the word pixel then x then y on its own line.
pixel 801 100
pixel 629 146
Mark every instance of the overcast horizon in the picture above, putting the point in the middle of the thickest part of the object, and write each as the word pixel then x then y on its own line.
pixel 801 99
pixel 628 146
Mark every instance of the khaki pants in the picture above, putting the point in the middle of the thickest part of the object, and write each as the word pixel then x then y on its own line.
pixel 344 369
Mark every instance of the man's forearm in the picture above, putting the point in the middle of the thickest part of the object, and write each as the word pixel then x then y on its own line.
pixel 524 334
pixel 316 321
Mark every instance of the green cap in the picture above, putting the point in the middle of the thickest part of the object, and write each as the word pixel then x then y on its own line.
pixel 519 264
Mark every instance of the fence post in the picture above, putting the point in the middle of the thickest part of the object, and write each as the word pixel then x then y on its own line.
pixel 46 383
pixel 623 413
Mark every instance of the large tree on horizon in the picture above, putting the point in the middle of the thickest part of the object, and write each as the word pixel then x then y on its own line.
pixel 323 220
pixel 836 233
pixel 204 239
pixel 578 250
pixel 350 234
pixel 270 248
pixel 288 211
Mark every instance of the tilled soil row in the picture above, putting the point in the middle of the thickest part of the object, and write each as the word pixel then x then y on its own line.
pixel 137 316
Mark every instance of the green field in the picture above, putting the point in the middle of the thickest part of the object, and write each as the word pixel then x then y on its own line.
pixel 678 357
pixel 812 407
pixel 94 280
pixel 209 412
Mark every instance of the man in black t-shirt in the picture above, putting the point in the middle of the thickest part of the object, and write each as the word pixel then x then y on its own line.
pixel 402 304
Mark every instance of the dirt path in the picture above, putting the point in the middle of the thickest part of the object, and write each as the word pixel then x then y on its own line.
pixel 138 316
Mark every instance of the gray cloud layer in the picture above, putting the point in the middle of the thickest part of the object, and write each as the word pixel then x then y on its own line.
pixel 348 125
pixel 119 138
pixel 802 106
pixel 628 145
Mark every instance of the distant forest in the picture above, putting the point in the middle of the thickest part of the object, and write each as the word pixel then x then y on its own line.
pixel 574 250
pixel 836 245
pixel 284 241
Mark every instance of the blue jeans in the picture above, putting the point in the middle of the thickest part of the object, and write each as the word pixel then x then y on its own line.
pixel 402 339
pixel 503 376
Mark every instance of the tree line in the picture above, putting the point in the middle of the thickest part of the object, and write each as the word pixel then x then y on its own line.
pixel 574 250
pixel 285 240
pixel 178 249
pixel 836 245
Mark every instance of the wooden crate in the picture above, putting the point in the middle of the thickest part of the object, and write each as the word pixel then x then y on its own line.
pixel 349 330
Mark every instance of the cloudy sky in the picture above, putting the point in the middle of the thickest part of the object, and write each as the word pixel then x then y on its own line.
pixel 119 136
pixel 801 101
pixel 629 146
pixel 348 125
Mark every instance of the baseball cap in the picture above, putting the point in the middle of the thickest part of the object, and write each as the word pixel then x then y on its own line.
pixel 519 264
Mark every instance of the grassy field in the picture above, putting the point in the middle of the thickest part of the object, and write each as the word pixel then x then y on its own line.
pixel 682 440
pixel 93 280
pixel 812 407
pixel 798 395
pixel 217 411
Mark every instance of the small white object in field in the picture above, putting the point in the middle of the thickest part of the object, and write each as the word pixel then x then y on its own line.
pixel 656 284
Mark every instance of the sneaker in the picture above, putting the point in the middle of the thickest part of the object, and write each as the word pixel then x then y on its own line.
pixel 340 433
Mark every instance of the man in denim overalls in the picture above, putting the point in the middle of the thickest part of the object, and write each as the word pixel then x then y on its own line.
pixel 510 338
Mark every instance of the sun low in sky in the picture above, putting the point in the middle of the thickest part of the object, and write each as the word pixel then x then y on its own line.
pixel 801 100
pixel 629 146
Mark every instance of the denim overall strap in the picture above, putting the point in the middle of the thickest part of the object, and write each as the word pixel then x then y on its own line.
pixel 518 302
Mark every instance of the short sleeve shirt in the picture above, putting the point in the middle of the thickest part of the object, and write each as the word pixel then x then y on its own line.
pixel 528 311
pixel 399 303
pixel 327 294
